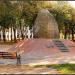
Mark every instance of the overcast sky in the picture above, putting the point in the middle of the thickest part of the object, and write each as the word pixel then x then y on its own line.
pixel 72 3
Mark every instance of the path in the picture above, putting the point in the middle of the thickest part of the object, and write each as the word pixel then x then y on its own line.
pixel 12 69
pixel 44 51
pixel 40 51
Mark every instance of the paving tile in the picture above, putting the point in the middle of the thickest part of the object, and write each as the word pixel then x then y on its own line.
pixel 40 51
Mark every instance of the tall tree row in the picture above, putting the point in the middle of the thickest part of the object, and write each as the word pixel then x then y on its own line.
pixel 19 14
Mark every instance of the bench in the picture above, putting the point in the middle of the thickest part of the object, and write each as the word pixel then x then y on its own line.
pixel 10 55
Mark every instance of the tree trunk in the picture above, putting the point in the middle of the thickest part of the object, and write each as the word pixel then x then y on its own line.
pixel 0 36
pixel 65 34
pixel 72 34
pixel 11 34
pixel 14 35
pixel 4 35
pixel 22 35
pixel 19 35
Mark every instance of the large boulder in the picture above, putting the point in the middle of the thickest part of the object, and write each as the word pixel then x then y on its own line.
pixel 45 25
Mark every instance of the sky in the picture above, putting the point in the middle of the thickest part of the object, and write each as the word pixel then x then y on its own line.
pixel 72 3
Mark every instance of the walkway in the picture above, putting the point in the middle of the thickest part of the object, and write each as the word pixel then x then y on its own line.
pixel 40 51
pixel 44 51
pixel 13 69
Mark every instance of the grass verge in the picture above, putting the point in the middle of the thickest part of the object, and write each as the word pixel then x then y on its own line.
pixel 61 68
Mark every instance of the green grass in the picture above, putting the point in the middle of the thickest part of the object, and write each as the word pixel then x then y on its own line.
pixel 61 68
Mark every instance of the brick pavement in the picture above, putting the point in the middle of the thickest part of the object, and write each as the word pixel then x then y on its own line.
pixel 37 52
pixel 44 51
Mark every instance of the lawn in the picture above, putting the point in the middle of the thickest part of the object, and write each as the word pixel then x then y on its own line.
pixel 61 68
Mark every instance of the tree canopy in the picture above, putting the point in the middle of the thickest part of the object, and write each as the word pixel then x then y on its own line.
pixel 17 14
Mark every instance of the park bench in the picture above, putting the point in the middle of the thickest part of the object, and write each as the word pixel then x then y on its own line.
pixel 10 55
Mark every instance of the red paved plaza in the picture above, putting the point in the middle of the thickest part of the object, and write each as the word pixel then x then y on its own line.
pixel 44 50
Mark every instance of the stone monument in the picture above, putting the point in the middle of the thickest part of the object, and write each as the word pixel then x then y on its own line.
pixel 45 25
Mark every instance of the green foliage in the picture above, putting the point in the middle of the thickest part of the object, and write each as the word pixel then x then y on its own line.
pixel 61 68
pixel 28 10
pixel 64 68
pixel 11 13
